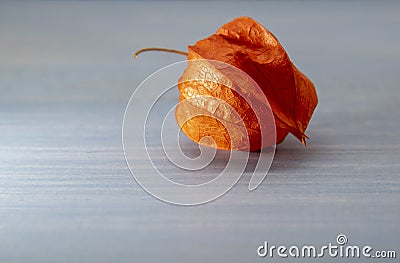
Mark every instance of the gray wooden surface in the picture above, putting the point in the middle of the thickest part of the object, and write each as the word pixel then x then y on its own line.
pixel 67 195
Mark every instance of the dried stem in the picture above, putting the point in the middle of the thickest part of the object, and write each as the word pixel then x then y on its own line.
pixel 159 49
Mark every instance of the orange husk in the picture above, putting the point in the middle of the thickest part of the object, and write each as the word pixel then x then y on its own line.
pixel 247 45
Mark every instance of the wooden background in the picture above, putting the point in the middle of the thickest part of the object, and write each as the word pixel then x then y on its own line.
pixel 67 195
